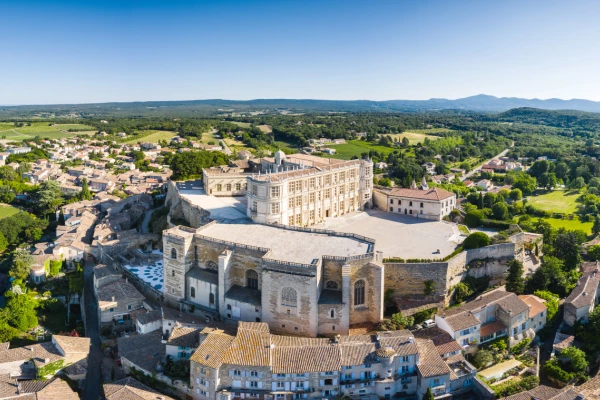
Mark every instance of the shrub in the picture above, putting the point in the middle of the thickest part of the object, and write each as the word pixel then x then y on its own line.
pixel 476 240
pixel 520 347
pixel 482 359
pixel 474 218
pixel 516 386
pixel 490 223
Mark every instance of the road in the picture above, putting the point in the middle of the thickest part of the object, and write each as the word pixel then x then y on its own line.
pixel 476 170
pixel 93 382
pixel 146 220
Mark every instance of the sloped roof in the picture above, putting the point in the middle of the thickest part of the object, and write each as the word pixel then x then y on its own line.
pixel 436 194
pixel 131 389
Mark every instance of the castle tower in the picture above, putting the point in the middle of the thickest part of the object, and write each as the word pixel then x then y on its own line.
pixel 279 159
pixel 178 258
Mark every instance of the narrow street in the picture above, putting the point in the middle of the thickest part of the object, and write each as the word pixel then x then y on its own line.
pixel 93 383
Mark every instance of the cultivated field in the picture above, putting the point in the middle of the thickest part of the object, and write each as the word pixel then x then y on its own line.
pixel 74 127
pixel 152 136
pixel 7 211
pixel 414 137
pixel 558 201
pixel 355 148
pixel 43 129
pixel 265 128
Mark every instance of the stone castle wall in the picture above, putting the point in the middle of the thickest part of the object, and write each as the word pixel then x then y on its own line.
pixel 183 209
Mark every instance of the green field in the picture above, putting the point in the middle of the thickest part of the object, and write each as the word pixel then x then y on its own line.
pixel 558 201
pixel 75 127
pixel 568 224
pixel 43 129
pixel 355 148
pixel 7 211
pixel 413 137
pixel 151 136
pixel 242 124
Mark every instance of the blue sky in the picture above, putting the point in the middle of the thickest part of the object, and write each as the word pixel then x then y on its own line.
pixel 99 51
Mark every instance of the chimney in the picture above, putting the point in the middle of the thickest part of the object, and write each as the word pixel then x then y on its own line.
pixel 126 280
pixel 113 298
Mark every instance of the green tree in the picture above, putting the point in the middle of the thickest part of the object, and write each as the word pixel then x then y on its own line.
pixel 401 321
pixel 405 142
pixel 48 196
pixel 461 292
pixel 7 195
pixel 474 218
pixel 85 190
pixel 428 395
pixel 596 226
pixel 500 211
pixel 593 252
pixel 21 264
pixel 22 311
pixel 482 358
pixel 516 194
pixel 577 183
pixel 566 248
pixel 476 240
pixel 547 180
pixel 552 303
pixel 489 199
pixel 3 243
pixel 61 218
pixel 514 281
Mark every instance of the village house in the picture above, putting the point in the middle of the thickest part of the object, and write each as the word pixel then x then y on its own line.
pixel 116 300
pixel 182 343
pixel 491 315
pixel 585 296
pixel 130 389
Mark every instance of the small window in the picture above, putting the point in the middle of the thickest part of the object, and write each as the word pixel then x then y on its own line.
pixel 174 253
pixel 391 209
pixel 229 306
pixel 193 292
pixel 332 313
pixel 211 298
pixel 359 293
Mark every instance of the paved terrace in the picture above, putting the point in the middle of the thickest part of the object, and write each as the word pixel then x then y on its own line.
pixel 398 235
pixel 220 208
pixel 287 245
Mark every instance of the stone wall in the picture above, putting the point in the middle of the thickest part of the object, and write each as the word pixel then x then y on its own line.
pixel 183 209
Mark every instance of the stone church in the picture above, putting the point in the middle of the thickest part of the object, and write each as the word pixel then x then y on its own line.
pixel 300 281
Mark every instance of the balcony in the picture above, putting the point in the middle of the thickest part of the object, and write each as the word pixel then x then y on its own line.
pixel 438 390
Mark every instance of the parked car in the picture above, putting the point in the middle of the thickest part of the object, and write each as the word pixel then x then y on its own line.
pixel 429 323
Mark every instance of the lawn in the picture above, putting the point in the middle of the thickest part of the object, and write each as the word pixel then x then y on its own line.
pixel 568 224
pixel 558 201
pixel 355 148
pixel 242 124
pixel 151 136
pixel 7 211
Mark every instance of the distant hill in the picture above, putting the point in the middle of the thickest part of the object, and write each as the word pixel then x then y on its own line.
pixel 479 103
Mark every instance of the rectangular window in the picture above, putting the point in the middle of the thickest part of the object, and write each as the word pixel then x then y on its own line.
pixel 352 186
pixel 253 384
pixel 391 209
pixel 291 187
pixel 312 215
pixel 291 220
pixel 254 206
pixel 228 187
pixel 291 202
pixel 275 191
pixel 327 193
pixel 311 183
pixel 274 208
pixel 254 190
pixel 421 205
pixel 311 198
pixel 342 189
pixel 238 186
pixel 298 219
pixel 299 186
pixel 219 187
pixel 391 201
pixel 352 173
pixel 298 201
pixel 327 179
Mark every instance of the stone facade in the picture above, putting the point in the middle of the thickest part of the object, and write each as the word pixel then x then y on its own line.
pixel 241 282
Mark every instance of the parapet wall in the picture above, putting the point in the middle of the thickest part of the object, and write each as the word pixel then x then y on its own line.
pixel 409 280
pixel 182 208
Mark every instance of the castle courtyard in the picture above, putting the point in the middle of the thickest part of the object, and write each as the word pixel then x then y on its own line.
pixel 398 235
pixel 220 208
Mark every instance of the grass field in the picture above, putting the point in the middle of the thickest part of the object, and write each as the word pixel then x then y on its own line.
pixel 558 201
pixel 242 124
pixel 413 137
pixel 10 132
pixel 265 128
pixel 152 137
pixel 355 148
pixel 76 127
pixel 7 211
pixel 569 224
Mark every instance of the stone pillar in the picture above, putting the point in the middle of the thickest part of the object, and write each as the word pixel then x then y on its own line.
pixel 224 261
pixel 346 288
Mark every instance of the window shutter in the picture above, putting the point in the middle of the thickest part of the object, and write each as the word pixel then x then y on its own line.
pixel 335 381
pixel 306 383
pixel 260 385
pixel 230 372
pixel 293 385
pixel 322 382
pixel 287 386
pixel 274 386
pixel 260 374
pixel 247 384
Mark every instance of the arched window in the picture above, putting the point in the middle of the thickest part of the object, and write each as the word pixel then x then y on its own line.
pixel 332 313
pixel 289 297
pixel 359 293
pixel 212 266
pixel 211 298
pixel 173 253
pixel 252 279
pixel 331 285
pixel 193 292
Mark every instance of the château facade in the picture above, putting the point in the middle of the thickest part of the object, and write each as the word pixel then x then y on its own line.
pixel 297 189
